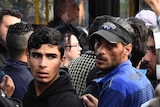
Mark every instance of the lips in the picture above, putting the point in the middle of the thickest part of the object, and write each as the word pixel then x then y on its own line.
pixel 99 60
pixel 42 74
pixel 148 68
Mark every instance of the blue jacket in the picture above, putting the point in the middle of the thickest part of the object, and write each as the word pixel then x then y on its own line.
pixel 124 86
pixel 20 74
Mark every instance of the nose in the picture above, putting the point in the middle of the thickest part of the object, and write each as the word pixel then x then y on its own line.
pixel 80 48
pixel 43 62
pixel 147 56
pixel 98 50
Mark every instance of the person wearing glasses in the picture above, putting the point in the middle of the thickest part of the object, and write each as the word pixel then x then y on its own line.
pixel 72 49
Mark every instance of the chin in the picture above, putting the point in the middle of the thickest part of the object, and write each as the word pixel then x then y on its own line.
pixel 100 66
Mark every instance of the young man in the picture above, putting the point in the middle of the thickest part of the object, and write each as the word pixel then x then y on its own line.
pixel 51 86
pixel 123 85
pixel 149 60
pixel 7 17
pixel 16 65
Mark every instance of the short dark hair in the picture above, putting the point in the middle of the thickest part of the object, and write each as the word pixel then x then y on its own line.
pixel 11 12
pixel 98 21
pixel 67 39
pixel 150 32
pixel 46 35
pixel 17 39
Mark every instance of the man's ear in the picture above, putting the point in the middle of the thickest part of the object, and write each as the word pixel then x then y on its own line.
pixel 27 54
pixel 128 49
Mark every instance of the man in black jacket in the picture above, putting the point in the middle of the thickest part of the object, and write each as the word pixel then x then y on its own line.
pixel 7 17
pixel 66 12
pixel 51 86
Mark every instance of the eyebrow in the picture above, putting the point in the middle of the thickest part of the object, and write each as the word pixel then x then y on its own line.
pixel 152 47
pixel 48 54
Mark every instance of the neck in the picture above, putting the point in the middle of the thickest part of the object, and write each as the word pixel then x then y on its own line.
pixel 40 87
pixel 66 62
pixel 22 58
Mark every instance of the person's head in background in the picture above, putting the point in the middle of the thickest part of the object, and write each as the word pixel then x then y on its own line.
pixel 67 10
pixel 140 37
pixel 150 57
pixel 72 48
pixel 17 39
pixel 149 17
pixel 149 60
pixel 8 17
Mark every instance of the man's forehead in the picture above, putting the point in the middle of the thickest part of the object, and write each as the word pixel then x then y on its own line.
pixel 46 48
pixel 101 39
pixel 10 20
pixel 151 41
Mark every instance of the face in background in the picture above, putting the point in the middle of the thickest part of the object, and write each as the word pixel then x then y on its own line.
pixel 6 22
pixel 72 50
pixel 110 55
pixel 150 58
pixel 44 63
pixel 72 9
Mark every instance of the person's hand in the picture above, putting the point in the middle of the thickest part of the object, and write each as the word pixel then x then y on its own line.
pixel 90 100
pixel 155 5
pixel 7 85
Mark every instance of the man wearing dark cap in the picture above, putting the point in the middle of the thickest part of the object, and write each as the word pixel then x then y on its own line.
pixel 122 84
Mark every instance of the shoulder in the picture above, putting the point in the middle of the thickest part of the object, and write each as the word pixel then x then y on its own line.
pixel 128 82
pixel 70 99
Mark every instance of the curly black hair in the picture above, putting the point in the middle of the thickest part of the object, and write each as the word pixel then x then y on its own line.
pixel 17 38
pixel 46 35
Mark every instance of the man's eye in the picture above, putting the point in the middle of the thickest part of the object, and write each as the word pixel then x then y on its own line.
pixel 36 55
pixel 51 56
pixel 147 50
pixel 151 49
pixel 154 51
pixel 97 44
pixel 111 46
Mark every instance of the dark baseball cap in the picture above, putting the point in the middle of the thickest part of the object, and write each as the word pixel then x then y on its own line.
pixel 113 33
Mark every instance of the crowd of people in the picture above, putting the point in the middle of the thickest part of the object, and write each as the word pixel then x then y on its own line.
pixel 59 65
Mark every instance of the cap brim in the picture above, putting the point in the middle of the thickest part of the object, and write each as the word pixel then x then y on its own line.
pixel 109 36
